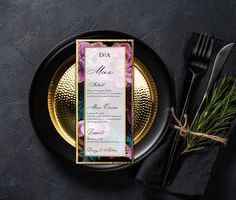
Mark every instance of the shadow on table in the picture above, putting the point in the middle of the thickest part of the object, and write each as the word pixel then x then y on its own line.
pixel 119 179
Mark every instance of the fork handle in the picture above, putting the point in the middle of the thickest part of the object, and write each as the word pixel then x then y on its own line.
pixel 176 142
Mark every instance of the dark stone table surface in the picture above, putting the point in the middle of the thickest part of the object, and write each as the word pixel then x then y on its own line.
pixel 29 29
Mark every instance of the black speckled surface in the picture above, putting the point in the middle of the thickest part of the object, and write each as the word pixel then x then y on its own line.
pixel 29 29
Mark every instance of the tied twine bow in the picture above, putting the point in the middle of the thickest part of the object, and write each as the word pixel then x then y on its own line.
pixel 184 130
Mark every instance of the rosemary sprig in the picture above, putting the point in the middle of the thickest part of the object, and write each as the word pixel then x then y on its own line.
pixel 216 116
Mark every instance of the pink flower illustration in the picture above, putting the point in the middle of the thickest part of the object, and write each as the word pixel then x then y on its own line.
pixel 81 51
pixel 81 128
pixel 128 152
pixel 128 61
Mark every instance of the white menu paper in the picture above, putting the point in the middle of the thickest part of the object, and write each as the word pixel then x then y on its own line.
pixel 104 101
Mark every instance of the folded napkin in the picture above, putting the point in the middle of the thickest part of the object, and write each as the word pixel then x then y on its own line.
pixel 197 168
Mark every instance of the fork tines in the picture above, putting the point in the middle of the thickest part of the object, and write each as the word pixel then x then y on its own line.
pixel 202 52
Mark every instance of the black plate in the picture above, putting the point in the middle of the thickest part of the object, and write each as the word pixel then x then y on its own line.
pixel 39 94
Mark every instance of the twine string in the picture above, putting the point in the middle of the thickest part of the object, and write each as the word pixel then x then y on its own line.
pixel 184 130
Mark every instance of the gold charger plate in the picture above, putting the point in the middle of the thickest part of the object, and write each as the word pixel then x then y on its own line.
pixel 62 101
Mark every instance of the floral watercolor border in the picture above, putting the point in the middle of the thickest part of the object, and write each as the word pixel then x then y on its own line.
pixel 80 50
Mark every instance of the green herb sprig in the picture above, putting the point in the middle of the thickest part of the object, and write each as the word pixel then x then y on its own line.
pixel 216 116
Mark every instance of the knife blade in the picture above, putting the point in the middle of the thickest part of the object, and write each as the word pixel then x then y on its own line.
pixel 216 70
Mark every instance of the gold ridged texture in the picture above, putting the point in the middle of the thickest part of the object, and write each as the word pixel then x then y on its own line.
pixel 62 101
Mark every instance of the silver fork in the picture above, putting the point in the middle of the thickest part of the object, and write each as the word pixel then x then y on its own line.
pixel 198 65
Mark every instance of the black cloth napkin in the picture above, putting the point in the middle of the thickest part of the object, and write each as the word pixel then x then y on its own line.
pixel 197 168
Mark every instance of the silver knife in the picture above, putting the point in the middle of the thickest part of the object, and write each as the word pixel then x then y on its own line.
pixel 215 72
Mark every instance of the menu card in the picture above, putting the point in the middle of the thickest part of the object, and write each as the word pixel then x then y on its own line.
pixel 104 100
